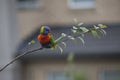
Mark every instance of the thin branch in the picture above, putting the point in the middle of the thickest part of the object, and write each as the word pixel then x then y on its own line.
pixel 18 57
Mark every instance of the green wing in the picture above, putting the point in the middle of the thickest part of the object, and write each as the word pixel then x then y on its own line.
pixel 52 40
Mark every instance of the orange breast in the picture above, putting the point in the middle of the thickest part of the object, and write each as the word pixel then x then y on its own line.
pixel 43 38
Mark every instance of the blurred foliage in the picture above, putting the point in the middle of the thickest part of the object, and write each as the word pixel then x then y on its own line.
pixel 79 76
pixel 70 58
pixel 71 73
pixel 31 42
pixel 78 31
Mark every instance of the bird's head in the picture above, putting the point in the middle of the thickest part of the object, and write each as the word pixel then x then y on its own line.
pixel 45 30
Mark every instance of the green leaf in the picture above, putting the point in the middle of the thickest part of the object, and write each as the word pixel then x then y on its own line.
pixel 74 31
pixel 63 35
pixel 74 27
pixel 31 42
pixel 95 33
pixel 70 37
pixel 81 39
pixel 104 31
pixel 80 24
pixel 95 27
pixel 102 26
pixel 64 44
pixel 84 30
pixel 101 32
pixel 61 50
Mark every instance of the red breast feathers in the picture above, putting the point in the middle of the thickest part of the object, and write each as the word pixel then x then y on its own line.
pixel 43 38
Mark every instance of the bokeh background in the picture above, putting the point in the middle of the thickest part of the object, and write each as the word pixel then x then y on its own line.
pixel 20 21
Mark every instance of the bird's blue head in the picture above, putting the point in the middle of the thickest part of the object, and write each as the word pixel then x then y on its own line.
pixel 45 30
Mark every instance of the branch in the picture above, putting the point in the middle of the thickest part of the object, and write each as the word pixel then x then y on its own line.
pixel 18 57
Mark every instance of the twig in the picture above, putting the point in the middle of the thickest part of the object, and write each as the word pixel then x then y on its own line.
pixel 18 57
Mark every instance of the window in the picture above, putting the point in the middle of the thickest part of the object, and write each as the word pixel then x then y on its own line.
pixel 57 76
pixel 28 4
pixel 110 75
pixel 81 4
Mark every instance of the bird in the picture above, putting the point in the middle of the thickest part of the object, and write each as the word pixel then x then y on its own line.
pixel 45 38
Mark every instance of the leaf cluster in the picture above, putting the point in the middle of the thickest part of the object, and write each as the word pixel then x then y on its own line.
pixel 95 30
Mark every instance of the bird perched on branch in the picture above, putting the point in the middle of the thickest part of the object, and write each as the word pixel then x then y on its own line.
pixel 46 39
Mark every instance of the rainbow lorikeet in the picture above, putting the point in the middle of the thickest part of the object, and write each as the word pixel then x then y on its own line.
pixel 46 39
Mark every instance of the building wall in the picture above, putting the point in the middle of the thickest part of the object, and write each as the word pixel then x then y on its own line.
pixel 9 38
pixel 58 12
pixel 91 69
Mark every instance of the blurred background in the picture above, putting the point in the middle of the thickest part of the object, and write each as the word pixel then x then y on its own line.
pixel 20 21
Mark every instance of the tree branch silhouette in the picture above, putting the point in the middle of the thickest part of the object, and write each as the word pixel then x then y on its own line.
pixel 19 56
